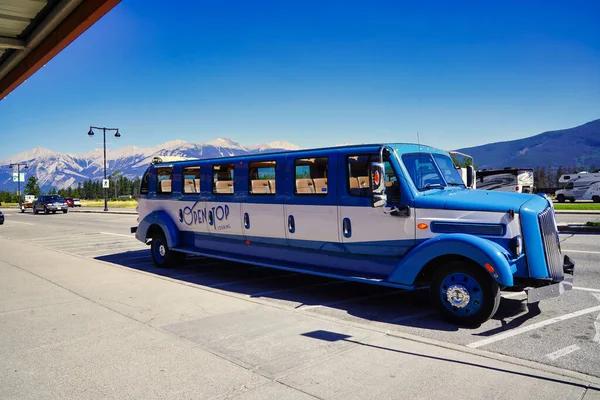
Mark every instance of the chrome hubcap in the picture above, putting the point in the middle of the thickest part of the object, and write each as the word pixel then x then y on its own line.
pixel 161 250
pixel 458 296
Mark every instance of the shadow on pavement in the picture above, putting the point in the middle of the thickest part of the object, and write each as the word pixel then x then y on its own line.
pixel 364 301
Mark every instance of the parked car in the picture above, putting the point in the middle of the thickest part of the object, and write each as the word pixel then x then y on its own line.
pixel 50 203
pixel 1 218
pixel 71 202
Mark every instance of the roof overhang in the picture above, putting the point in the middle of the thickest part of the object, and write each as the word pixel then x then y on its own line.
pixel 32 32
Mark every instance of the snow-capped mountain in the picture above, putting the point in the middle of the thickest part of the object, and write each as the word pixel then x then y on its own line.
pixel 61 170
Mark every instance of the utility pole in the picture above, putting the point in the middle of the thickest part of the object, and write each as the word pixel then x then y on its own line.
pixel 18 165
pixel 117 135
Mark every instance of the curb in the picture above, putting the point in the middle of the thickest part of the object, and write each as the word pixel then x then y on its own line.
pixel 105 212
pixel 577 212
pixel 578 229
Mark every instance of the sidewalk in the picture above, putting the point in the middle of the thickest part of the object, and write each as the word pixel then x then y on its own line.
pixel 79 328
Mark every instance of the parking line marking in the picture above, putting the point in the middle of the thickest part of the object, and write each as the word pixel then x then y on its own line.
pixel 118 234
pixel 587 289
pixel 518 331
pixel 9 221
pixel 563 352
pixel 581 251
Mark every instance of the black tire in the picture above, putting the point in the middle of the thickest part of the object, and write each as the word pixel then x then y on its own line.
pixel 46 211
pixel 35 211
pixel 596 199
pixel 65 211
pixel 472 280
pixel 22 210
pixel 162 256
pixel 560 198
pixel 53 211
pixel 572 199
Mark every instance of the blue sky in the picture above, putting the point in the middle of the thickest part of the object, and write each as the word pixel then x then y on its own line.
pixel 315 73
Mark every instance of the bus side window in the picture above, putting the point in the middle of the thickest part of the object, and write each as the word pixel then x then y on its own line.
pixel 223 179
pixel 163 180
pixel 358 177
pixel 261 177
pixel 191 180
pixel 311 176
pixel 144 187
pixel 392 184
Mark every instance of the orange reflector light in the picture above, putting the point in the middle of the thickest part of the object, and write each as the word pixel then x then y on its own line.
pixel 247 243
pixel 422 226
pixel 489 268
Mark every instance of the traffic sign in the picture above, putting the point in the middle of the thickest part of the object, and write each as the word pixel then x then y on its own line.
pixel 105 183
pixel 18 177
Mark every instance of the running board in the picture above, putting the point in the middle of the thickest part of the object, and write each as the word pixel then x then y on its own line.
pixel 328 273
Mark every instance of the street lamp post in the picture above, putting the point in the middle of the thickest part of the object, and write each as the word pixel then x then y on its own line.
pixel 117 135
pixel 18 165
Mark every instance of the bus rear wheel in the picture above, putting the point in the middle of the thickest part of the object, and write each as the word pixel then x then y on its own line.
pixel 162 256
pixel 464 293
pixel 560 198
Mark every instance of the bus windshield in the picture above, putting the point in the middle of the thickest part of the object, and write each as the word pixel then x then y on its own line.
pixel 429 171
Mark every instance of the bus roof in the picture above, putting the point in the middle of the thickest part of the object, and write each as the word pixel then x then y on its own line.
pixel 400 148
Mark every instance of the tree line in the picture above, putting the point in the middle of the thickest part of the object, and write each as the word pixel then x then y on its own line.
pixel 547 177
pixel 86 190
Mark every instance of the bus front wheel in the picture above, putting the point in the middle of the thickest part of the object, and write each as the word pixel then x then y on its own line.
pixel 560 198
pixel 464 293
pixel 162 256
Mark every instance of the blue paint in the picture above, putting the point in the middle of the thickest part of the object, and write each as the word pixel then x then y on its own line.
pixel 472 200
pixel 164 221
pixel 480 250
pixel 470 228
pixel 464 282
pixel 300 253
pixel 534 248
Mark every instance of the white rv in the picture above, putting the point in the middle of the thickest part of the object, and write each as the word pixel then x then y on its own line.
pixel 509 179
pixel 580 186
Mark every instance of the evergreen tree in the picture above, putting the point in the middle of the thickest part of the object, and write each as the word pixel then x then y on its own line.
pixel 32 186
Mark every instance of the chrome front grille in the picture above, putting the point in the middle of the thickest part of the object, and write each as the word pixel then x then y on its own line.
pixel 551 244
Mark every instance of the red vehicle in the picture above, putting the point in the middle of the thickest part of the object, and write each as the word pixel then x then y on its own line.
pixel 71 202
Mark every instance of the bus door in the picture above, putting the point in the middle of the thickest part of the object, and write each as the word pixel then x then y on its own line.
pixel 262 212
pixel 366 230
pixel 191 206
pixel 311 216
pixel 224 207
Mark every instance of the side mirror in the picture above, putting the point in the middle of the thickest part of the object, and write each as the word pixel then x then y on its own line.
pixel 470 176
pixel 377 180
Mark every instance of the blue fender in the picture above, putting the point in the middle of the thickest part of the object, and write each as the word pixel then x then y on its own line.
pixel 162 219
pixel 480 250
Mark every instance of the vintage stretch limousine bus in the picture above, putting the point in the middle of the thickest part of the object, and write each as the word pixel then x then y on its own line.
pixel 393 214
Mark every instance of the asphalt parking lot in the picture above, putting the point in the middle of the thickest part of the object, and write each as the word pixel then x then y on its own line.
pixel 561 333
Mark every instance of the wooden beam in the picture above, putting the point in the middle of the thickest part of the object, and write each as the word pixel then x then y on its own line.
pixel 84 16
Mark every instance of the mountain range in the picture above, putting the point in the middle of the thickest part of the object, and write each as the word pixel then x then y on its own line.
pixel 61 170
pixel 578 147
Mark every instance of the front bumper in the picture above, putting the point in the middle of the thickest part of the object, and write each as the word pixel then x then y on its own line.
pixel 537 294
pixel 56 208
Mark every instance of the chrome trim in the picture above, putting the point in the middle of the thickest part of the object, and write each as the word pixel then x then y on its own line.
pixel 458 296
pixel 554 258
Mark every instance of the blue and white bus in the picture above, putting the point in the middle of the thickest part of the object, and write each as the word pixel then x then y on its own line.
pixel 389 214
